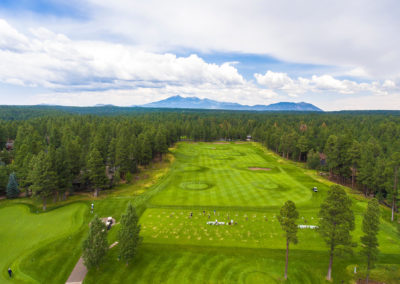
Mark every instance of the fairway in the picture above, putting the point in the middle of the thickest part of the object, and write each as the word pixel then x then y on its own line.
pixel 239 175
pixel 23 232
pixel 245 184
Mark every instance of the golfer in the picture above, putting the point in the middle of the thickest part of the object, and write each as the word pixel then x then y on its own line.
pixel 10 272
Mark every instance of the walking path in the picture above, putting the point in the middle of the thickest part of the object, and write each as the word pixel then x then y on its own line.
pixel 79 272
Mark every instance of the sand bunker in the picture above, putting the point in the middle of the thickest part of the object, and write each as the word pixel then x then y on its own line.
pixel 259 169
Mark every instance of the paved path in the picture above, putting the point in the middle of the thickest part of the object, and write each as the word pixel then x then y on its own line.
pixel 79 272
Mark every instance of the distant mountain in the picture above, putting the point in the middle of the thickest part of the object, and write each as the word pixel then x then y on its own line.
pixel 196 103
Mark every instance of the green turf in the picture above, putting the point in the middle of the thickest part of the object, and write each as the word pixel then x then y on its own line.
pixel 219 175
pixel 24 232
pixel 180 248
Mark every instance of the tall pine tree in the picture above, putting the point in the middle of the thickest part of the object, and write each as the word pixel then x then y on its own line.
pixel 287 218
pixel 12 190
pixel 42 177
pixel 97 171
pixel 129 239
pixel 96 245
pixel 370 227
pixel 336 222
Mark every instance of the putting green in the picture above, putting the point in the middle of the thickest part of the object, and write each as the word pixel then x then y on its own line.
pixel 195 185
pixel 24 232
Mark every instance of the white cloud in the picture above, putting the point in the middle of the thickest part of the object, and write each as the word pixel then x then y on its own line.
pixel 274 80
pixel 321 84
pixel 55 61
pixel 359 35
pixel 86 72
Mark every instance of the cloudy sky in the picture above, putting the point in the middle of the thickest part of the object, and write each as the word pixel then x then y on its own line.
pixel 334 54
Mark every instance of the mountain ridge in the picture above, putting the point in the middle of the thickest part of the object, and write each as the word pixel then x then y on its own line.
pixel 197 103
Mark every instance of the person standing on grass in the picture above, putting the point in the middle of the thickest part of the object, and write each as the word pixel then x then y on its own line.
pixel 10 272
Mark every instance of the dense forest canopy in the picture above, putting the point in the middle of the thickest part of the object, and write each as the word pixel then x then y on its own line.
pixel 54 149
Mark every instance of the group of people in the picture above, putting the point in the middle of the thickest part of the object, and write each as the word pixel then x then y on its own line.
pixel 231 222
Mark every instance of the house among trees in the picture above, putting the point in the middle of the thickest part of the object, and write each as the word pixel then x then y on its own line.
pixel 322 159
pixel 9 144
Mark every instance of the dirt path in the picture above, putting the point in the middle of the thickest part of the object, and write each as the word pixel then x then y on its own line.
pixel 80 271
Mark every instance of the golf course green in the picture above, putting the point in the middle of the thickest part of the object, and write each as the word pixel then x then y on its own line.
pixel 238 183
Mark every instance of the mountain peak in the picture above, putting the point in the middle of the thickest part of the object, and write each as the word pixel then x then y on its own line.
pixel 197 103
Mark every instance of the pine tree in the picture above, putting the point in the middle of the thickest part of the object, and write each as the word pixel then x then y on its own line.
pixel 161 146
pixel 395 163
pixel 145 147
pixel 354 153
pixel 12 187
pixel 122 154
pixel 287 218
pixel 331 150
pixel 4 177
pixel 129 239
pixel 302 145
pixel 96 245
pixel 336 222
pixel 97 171
pixel 42 177
pixel 370 227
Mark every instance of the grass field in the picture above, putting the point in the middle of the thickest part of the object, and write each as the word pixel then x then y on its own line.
pixel 179 246
pixel 23 232
pixel 241 182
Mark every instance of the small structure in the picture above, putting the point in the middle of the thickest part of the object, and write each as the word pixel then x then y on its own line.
pixel 315 189
pixel 215 223
pixel 307 227
pixel 248 138
pixel 9 145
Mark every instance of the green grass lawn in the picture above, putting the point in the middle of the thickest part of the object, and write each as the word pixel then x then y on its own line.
pixel 241 182
pixel 43 247
pixel 220 175
pixel 180 248
pixel 24 232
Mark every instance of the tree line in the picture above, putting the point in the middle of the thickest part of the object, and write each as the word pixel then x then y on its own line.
pixel 360 149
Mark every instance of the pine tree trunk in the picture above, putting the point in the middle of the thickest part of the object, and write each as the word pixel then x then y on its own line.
pixel 300 157
pixel 64 196
pixel 353 175
pixel 287 258
pixel 96 192
pixel 368 267
pixel 44 204
pixel 394 193
pixel 329 276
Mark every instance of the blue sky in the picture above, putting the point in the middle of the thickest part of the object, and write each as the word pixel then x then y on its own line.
pixel 336 55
